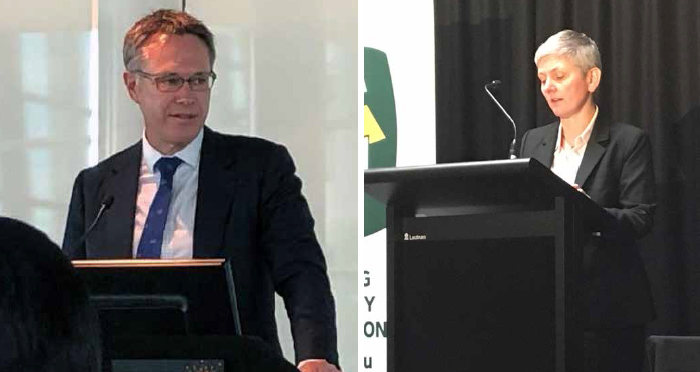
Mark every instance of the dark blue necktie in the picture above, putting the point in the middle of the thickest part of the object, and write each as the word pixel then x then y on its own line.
pixel 152 237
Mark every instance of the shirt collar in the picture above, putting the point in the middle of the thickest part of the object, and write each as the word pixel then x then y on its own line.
pixel 581 140
pixel 189 154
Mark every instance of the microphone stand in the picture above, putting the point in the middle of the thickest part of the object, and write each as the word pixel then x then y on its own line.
pixel 495 83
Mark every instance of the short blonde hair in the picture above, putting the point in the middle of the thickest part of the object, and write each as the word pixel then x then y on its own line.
pixel 165 21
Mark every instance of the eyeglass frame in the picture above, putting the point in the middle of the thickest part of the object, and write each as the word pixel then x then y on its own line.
pixel 154 78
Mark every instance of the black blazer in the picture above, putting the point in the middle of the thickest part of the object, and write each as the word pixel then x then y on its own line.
pixel 617 173
pixel 250 210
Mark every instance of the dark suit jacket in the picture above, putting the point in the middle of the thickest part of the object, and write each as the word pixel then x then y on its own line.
pixel 250 210
pixel 617 173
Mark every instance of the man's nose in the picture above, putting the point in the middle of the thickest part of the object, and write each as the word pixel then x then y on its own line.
pixel 184 99
pixel 184 94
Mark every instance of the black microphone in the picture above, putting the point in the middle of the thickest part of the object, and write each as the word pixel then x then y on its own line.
pixel 106 203
pixel 496 83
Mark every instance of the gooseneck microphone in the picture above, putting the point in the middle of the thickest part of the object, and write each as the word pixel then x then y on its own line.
pixel 106 203
pixel 496 83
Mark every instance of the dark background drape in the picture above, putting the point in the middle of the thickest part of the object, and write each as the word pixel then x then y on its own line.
pixel 651 62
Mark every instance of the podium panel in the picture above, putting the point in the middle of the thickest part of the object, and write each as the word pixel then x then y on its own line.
pixel 480 305
pixel 162 297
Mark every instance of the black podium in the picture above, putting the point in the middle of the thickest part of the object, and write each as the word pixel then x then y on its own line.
pixel 162 297
pixel 159 310
pixel 483 266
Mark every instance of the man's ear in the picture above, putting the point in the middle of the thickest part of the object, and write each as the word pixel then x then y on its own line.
pixel 130 83
pixel 593 79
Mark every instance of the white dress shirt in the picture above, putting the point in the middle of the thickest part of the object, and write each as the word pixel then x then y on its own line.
pixel 179 226
pixel 568 157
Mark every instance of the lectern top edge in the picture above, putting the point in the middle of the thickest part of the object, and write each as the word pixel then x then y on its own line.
pixel 148 263
pixel 450 170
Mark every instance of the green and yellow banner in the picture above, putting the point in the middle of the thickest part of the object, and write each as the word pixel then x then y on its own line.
pixel 397 39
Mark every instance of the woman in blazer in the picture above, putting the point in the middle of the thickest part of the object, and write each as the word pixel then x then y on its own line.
pixel 612 164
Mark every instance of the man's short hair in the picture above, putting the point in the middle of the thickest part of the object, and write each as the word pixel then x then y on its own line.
pixel 163 21
pixel 576 45
pixel 46 320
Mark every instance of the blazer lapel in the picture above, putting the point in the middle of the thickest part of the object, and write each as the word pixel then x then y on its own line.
pixel 116 239
pixel 544 152
pixel 215 190
pixel 594 151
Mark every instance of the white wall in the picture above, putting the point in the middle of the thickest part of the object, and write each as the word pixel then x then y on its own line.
pixel 287 72
pixel 44 100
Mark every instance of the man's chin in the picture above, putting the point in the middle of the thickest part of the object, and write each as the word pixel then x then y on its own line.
pixel 184 122
pixel 177 141
pixel 184 129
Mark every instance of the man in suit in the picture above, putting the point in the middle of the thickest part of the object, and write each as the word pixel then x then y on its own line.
pixel 187 191
pixel 612 164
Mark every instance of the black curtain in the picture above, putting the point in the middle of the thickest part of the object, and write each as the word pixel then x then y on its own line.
pixel 651 61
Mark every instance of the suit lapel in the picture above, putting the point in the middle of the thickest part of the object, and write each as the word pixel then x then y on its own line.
pixel 544 152
pixel 594 150
pixel 215 190
pixel 117 238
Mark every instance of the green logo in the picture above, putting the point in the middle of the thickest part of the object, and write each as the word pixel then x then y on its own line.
pixel 380 128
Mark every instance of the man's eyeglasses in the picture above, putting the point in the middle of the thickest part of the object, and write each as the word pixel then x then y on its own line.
pixel 173 82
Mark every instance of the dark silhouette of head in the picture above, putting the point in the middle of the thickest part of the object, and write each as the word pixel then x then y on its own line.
pixel 46 321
